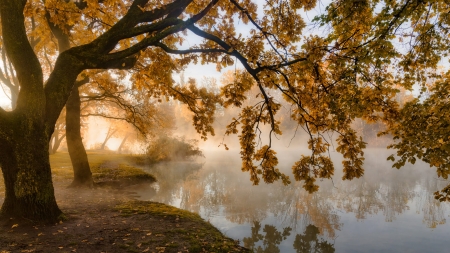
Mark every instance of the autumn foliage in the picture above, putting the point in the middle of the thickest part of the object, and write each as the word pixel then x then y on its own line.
pixel 347 67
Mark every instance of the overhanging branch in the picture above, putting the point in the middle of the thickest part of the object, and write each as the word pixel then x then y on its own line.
pixel 190 51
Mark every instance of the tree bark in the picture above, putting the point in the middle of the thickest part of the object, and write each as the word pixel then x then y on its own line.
pixel 26 171
pixel 81 170
pixel 77 152
pixel 25 132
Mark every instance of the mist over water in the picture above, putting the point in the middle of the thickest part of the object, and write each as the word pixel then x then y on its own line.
pixel 387 210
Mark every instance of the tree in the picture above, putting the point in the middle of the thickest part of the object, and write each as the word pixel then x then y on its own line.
pixel 122 143
pixel 330 81
pixel 59 133
pixel 413 37
pixel 270 240
pixel 109 134
pixel 82 175
pixel 25 131
pixel 310 242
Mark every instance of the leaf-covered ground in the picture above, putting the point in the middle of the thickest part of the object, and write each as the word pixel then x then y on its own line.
pixel 106 219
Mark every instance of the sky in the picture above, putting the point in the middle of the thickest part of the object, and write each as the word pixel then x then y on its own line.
pixel 4 100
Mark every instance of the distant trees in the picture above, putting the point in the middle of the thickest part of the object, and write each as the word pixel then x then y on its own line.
pixel 165 148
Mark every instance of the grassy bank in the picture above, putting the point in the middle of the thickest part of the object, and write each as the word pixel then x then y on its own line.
pixel 105 166
pixel 107 220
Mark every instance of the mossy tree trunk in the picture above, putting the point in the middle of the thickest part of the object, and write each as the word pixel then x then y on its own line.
pixel 81 170
pixel 26 170
pixel 25 132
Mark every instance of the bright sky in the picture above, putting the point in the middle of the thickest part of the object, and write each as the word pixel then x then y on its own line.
pixel 4 100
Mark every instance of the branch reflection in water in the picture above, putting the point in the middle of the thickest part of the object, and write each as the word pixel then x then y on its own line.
pixel 278 218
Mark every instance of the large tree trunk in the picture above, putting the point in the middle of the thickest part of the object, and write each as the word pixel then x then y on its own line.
pixel 81 170
pixel 25 132
pixel 26 171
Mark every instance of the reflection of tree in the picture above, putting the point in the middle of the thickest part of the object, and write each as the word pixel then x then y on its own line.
pixel 433 210
pixel 360 198
pixel 365 197
pixel 309 242
pixel 270 240
pixel 170 178
pixel 212 189
pixel 203 190
pixel 296 204
pixel 391 194
pixel 219 189
pixel 209 190
pixel 396 197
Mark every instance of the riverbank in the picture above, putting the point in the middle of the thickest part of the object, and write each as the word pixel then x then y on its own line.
pixel 107 219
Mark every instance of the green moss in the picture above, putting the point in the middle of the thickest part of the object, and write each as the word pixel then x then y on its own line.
pixel 198 235
pixel 154 208
pixel 121 172
pixel 105 167
pixel 62 217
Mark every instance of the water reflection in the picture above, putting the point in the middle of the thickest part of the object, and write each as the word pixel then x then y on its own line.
pixel 271 238
pixel 278 218
pixel 310 242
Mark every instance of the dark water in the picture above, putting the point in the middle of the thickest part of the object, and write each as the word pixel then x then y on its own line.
pixel 387 210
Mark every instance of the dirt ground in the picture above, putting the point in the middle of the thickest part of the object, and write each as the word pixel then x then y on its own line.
pixel 108 220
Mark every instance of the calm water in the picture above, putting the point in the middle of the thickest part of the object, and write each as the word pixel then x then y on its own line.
pixel 387 210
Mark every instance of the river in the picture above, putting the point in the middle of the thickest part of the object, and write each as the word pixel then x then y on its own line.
pixel 387 210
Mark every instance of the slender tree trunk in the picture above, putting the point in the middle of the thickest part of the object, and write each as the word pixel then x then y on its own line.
pixel 14 96
pixel 109 134
pixel 57 143
pixel 119 150
pixel 81 170
pixel 26 171
pixel 50 143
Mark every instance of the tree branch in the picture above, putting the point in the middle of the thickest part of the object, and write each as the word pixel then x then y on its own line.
pixel 18 48
pixel 189 51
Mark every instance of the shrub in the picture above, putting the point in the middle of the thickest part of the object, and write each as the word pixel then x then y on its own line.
pixel 167 148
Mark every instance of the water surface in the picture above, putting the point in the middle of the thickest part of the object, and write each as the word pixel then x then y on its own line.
pixel 387 210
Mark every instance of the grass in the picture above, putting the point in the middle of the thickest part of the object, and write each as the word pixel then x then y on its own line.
pixel 105 167
pixel 174 230
pixel 198 236
pixel 154 208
